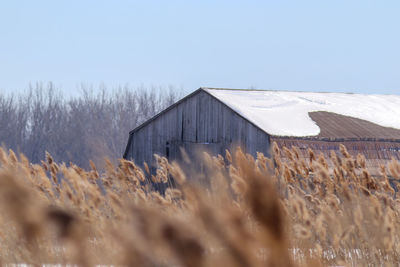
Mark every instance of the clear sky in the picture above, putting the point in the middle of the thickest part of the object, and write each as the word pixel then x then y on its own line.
pixel 351 46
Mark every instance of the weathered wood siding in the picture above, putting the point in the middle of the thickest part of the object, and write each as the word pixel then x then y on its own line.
pixel 376 152
pixel 371 149
pixel 198 121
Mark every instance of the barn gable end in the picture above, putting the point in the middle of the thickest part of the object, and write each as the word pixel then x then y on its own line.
pixel 199 121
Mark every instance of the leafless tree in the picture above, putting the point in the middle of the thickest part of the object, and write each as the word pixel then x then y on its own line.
pixel 93 125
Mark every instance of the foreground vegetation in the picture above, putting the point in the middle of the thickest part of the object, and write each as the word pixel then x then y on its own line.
pixel 239 211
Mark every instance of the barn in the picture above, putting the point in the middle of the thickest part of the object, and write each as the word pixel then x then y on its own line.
pixel 215 119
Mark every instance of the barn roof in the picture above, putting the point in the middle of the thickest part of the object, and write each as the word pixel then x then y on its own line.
pixel 309 114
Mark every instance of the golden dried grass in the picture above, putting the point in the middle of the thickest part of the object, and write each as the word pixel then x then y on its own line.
pixel 283 211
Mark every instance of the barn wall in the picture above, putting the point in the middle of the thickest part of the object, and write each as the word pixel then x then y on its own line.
pixel 371 149
pixel 198 121
pixel 376 152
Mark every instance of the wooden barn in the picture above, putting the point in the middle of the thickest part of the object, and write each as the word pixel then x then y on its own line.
pixel 214 119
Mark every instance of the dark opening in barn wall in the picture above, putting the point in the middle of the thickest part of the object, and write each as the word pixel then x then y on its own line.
pixel 167 150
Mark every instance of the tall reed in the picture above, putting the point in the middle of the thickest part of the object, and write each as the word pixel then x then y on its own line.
pixel 293 209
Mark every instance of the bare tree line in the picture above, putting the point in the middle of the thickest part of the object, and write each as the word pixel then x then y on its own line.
pixel 93 125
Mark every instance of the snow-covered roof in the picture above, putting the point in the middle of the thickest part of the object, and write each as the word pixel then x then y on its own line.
pixel 285 113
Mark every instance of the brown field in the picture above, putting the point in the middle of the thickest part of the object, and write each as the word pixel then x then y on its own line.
pixel 239 211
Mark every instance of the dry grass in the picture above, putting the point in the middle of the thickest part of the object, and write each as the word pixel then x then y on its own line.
pixel 240 211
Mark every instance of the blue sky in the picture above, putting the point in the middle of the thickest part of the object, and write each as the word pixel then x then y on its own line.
pixel 351 46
